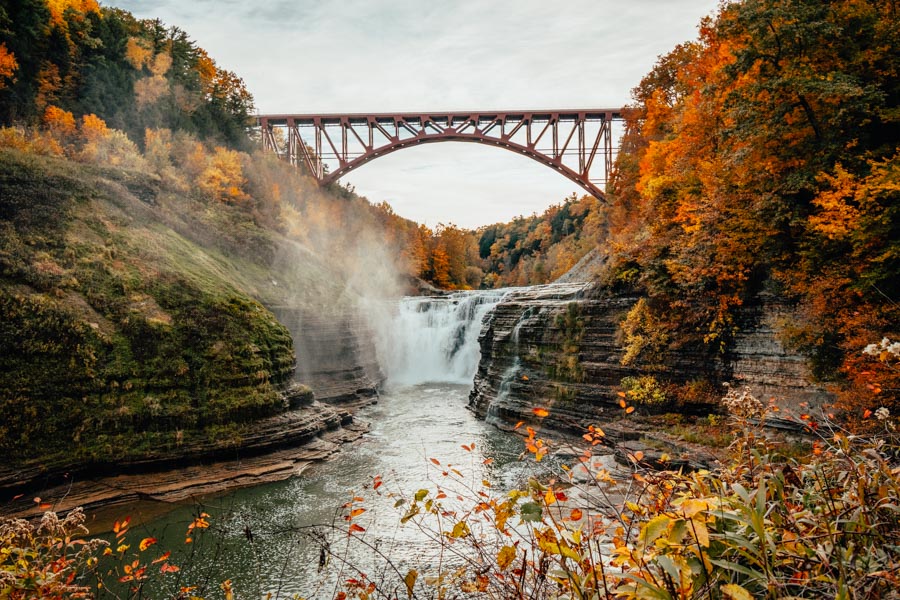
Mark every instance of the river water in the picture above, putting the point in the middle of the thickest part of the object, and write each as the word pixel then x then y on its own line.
pixel 268 539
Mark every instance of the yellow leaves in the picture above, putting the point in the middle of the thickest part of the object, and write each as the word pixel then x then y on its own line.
pixel 59 121
pixel 837 217
pixel 654 528
pixel 223 177
pixel 58 8
pixel 701 533
pixel 549 497
pixel 733 591
pixel 693 506
pixel 505 557
pixel 410 581
pixel 93 128
pixel 138 53
pixel 460 530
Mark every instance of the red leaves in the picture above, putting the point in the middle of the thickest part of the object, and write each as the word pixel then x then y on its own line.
pixel 540 412
pixel 118 528
pixel 146 543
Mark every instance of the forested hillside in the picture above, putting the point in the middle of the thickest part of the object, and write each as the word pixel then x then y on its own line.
pixel 765 161
pixel 141 246
pixel 76 56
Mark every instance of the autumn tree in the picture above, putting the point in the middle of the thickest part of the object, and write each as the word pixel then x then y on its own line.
pixel 760 148
pixel 8 65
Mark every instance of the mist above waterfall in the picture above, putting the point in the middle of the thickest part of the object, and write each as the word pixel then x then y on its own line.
pixel 434 339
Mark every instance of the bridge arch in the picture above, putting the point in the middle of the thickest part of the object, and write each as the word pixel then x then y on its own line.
pixel 577 144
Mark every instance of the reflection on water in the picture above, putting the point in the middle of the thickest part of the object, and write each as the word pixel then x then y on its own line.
pixel 265 538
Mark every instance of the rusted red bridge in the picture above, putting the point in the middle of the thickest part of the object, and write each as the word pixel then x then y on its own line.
pixel 579 144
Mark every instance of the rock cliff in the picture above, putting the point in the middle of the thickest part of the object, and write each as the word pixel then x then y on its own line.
pixel 336 354
pixel 558 347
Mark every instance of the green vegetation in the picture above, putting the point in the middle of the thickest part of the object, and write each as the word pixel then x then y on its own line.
pixel 137 261
pixel 103 341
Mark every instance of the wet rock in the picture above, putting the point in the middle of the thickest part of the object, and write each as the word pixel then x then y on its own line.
pixel 557 347
pixel 336 354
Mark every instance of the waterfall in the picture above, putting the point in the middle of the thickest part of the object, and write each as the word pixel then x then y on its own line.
pixel 435 339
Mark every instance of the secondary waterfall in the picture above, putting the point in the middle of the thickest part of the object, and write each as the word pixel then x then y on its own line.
pixel 435 338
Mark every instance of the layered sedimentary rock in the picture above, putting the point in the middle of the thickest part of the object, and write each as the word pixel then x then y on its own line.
pixel 760 362
pixel 558 347
pixel 336 354
pixel 270 450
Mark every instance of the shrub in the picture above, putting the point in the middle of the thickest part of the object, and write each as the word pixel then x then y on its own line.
pixel 644 390
pixel 644 336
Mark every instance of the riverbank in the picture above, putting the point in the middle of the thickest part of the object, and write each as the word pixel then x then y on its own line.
pixel 276 449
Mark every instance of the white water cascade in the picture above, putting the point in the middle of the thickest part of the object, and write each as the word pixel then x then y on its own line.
pixel 435 339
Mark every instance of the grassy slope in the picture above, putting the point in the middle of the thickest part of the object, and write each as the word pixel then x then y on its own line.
pixel 130 314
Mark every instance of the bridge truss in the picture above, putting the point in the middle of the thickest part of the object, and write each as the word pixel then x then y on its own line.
pixel 579 144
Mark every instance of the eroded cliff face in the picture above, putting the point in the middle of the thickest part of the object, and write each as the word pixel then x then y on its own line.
pixel 558 347
pixel 336 354
pixel 760 362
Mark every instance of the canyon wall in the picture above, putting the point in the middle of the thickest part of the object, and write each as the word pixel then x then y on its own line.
pixel 559 347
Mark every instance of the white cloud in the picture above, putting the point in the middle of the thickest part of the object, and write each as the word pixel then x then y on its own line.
pixel 307 56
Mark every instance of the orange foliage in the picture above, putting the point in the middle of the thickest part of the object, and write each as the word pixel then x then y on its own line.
pixel 766 157
pixel 58 9
pixel 137 53
pixel 8 65
pixel 49 83
pixel 60 122
pixel 93 128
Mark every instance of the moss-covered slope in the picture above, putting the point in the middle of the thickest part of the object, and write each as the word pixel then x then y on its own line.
pixel 130 320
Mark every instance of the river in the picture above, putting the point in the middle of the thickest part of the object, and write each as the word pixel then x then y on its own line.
pixel 268 539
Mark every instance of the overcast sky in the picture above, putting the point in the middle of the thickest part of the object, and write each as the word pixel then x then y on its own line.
pixel 306 56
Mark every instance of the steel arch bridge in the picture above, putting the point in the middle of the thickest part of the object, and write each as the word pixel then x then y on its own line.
pixel 579 144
